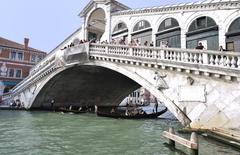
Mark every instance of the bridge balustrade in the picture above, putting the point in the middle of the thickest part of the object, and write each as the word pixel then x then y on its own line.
pixel 221 63
pixel 191 56
pixel 225 59
pixel 142 52
pixel 99 48
pixel 118 50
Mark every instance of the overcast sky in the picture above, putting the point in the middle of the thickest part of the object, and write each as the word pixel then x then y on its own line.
pixel 48 22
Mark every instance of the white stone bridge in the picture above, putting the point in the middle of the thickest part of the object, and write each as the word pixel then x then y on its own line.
pixel 200 87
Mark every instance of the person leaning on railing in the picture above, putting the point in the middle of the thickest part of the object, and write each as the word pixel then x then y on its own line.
pixel 200 46
pixel 132 43
pixel 221 48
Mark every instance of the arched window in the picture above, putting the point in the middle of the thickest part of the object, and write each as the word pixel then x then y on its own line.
pixel 202 23
pixel 233 36
pixel 234 27
pixel 169 31
pixel 142 33
pixel 120 33
pixel 120 27
pixel 96 24
pixel 168 24
pixel 143 24
pixel 205 30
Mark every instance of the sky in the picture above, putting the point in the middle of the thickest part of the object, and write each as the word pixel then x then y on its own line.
pixel 48 22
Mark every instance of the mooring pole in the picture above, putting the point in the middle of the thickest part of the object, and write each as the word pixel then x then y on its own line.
pixel 171 142
pixel 194 139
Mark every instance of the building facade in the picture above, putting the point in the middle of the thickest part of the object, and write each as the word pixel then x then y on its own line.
pixel 16 61
pixel 213 23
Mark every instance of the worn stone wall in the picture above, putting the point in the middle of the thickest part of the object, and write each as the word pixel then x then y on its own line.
pixel 208 102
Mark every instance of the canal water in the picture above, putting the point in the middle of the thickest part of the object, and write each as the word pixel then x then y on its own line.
pixel 54 133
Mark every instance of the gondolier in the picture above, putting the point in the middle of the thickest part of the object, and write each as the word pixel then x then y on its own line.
pixel 156 106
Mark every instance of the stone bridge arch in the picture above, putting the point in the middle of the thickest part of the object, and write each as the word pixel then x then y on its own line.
pixel 192 90
pixel 119 82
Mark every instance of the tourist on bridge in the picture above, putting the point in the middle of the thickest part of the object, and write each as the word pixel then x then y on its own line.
pixel 151 44
pixel 200 46
pixel 221 48
pixel 138 43
pixel 146 43
pixel 132 43
pixel 167 44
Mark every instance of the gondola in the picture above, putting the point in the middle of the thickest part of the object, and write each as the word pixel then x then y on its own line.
pixel 65 110
pixel 137 116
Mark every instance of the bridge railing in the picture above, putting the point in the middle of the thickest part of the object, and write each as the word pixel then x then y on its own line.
pixel 99 48
pixel 77 53
pixel 191 56
pixel 69 54
pixel 30 78
pixel 37 70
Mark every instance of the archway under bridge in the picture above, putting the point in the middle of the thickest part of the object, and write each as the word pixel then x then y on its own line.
pixel 102 85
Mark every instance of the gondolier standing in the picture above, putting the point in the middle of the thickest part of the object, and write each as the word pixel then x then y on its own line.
pixel 156 106
pixel 52 103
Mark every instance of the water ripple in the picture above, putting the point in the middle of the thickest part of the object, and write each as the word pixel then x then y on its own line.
pixel 47 133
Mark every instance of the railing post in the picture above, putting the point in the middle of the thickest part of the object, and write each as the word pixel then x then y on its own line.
pixel 205 58
pixel 238 62
pixel 87 46
pixel 162 54
pixel 154 54
pixel 130 51
pixel 194 139
pixel 106 49
pixel 171 142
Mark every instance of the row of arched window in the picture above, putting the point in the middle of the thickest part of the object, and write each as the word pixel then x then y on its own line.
pixel 204 29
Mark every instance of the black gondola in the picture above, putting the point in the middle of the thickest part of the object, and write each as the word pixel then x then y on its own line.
pixel 137 116
pixel 70 111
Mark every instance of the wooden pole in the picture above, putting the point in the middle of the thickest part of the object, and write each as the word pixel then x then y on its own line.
pixel 194 139
pixel 171 142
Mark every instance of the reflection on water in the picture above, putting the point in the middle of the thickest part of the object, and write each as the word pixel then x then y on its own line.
pixel 24 133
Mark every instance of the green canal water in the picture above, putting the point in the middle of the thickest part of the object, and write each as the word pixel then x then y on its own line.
pixel 49 133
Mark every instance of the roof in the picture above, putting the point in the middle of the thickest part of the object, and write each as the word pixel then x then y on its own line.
pixel 180 6
pixel 11 44
pixel 92 2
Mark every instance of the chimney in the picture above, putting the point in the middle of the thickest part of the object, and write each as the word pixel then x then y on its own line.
pixel 26 41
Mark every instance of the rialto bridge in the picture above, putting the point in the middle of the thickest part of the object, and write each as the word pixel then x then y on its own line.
pixel 200 87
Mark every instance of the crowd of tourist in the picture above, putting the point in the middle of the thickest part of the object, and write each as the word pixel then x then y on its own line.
pixel 133 42
pixel 73 44
pixel 201 47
